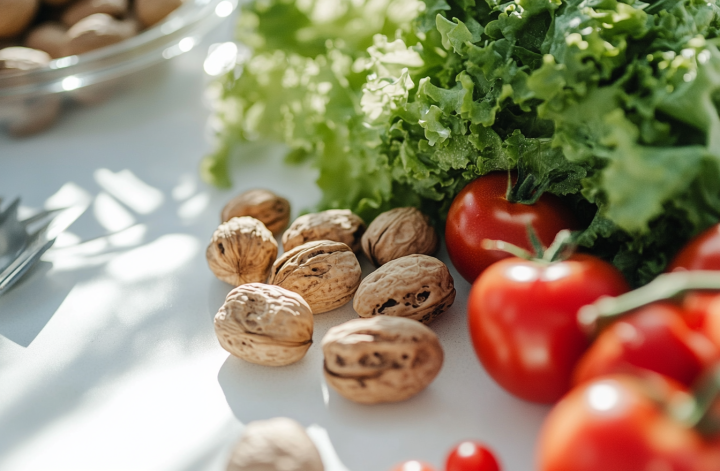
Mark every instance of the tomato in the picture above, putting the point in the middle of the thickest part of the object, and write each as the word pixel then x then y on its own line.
pixel 619 423
pixel 413 466
pixel 654 337
pixel 481 211
pixel 471 456
pixel 701 253
pixel 523 320
pixel 702 313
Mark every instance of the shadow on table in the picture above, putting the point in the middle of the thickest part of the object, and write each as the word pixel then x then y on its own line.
pixel 24 311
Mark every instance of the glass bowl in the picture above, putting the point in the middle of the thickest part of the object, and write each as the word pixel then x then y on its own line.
pixel 31 101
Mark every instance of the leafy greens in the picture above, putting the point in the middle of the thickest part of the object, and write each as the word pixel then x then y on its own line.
pixel 397 102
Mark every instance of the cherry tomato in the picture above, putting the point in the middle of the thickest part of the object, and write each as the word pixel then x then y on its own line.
pixel 413 466
pixel 701 253
pixel 522 319
pixel 471 456
pixel 654 337
pixel 481 211
pixel 619 423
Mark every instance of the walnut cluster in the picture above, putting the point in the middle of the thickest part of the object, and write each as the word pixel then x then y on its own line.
pixel 388 354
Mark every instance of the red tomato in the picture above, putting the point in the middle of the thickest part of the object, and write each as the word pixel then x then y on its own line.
pixel 471 456
pixel 619 423
pixel 654 337
pixel 413 466
pixel 522 317
pixel 702 313
pixel 480 211
pixel 701 253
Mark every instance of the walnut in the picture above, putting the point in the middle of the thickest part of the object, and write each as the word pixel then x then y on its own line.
pixel 384 359
pixel 34 113
pixel 278 444
pixel 265 324
pixel 325 273
pixel 399 232
pixel 242 250
pixel 84 8
pixel 16 16
pixel 153 11
pixel 416 287
pixel 49 37
pixel 271 209
pixel 340 225
pixel 97 31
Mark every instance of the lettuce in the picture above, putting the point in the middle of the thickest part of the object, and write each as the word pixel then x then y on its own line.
pixel 610 104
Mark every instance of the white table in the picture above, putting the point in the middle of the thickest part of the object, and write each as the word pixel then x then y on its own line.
pixel 108 358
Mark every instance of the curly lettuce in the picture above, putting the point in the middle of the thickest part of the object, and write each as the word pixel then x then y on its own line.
pixel 610 104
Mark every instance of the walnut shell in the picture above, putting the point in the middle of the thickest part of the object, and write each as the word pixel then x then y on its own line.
pixel 278 444
pixel 325 273
pixel 242 250
pixel 16 16
pixel 340 225
pixel 399 232
pixel 97 31
pixel 49 37
pixel 265 324
pixel 417 287
pixel 84 8
pixel 384 359
pixel 271 209
pixel 151 12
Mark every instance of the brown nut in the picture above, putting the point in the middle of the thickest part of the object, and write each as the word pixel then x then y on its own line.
pixel 325 273
pixel 399 232
pixel 15 16
pixel 417 287
pixel 34 114
pixel 271 209
pixel 242 250
pixel 150 12
pixel 22 58
pixel 97 31
pixel 384 359
pixel 49 37
pixel 84 8
pixel 265 324
pixel 340 225
pixel 278 444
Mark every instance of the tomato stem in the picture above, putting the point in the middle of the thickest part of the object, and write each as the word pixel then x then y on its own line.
pixel 603 311
pixel 696 410
pixel 707 392
pixel 561 247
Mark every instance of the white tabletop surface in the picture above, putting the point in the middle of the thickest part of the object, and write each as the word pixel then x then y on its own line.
pixel 108 357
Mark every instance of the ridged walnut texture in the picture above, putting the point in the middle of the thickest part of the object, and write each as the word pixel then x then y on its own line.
pixel 399 232
pixel 384 359
pixel 242 250
pixel 264 205
pixel 278 444
pixel 339 225
pixel 417 287
pixel 325 273
pixel 265 324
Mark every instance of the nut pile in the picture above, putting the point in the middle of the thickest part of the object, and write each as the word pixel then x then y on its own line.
pixel 387 354
pixel 67 27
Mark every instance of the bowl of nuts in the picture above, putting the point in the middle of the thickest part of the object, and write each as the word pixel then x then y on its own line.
pixel 54 52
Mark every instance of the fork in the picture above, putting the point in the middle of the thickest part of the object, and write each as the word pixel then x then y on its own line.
pixel 21 247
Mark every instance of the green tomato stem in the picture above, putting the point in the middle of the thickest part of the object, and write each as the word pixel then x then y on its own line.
pixel 603 311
